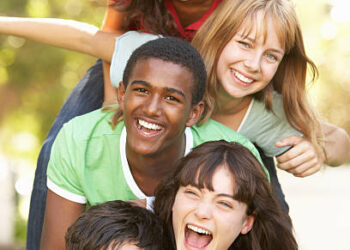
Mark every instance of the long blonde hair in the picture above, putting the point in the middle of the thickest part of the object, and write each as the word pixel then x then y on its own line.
pixel 290 78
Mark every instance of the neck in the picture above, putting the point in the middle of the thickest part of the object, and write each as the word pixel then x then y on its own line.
pixel 226 104
pixel 191 11
pixel 149 170
pixel 230 111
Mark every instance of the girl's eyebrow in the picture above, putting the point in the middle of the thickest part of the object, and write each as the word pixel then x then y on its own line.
pixel 277 51
pixel 246 36
pixel 225 195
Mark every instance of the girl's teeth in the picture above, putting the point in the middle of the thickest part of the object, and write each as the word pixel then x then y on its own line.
pixel 243 78
pixel 198 230
pixel 149 125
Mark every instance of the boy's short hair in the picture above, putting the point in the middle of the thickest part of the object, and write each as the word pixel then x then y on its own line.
pixel 112 224
pixel 175 50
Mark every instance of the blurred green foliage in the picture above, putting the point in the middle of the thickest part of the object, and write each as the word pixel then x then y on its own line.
pixel 35 79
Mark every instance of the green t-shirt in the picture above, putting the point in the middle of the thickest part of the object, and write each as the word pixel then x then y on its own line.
pixel 88 162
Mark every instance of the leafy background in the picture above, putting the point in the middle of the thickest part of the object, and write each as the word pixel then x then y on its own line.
pixel 35 80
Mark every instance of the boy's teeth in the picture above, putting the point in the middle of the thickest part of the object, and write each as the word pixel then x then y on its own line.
pixel 198 230
pixel 242 78
pixel 149 125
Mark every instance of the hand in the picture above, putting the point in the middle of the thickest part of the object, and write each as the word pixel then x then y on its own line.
pixel 301 160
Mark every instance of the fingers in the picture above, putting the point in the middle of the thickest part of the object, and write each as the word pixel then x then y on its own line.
pixel 301 160
pixel 289 141
pixel 301 151
pixel 306 168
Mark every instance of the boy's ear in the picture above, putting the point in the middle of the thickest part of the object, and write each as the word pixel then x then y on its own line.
pixel 195 114
pixel 121 95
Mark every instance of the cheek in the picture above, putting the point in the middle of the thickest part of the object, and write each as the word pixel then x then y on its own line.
pixel 269 72
pixel 177 214
pixel 233 223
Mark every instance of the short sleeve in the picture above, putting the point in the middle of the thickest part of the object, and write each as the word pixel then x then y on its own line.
pixel 264 127
pixel 62 172
pixel 124 46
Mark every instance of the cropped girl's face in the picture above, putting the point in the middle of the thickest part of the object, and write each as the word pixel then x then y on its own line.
pixel 204 219
pixel 248 62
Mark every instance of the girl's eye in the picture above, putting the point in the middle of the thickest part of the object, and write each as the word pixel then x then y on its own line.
pixel 225 204
pixel 272 57
pixel 244 44
pixel 191 192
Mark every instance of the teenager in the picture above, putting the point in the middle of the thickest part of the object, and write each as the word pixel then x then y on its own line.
pixel 219 198
pixel 301 160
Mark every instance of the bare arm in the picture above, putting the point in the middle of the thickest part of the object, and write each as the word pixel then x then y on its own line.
pixel 113 23
pixel 59 215
pixel 302 160
pixel 62 33
pixel 337 144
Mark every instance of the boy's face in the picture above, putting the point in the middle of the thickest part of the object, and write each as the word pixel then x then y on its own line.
pixel 157 106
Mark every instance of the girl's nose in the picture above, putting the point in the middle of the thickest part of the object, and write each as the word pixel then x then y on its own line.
pixel 204 210
pixel 252 62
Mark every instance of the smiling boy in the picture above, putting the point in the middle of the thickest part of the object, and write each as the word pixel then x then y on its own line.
pixel 98 157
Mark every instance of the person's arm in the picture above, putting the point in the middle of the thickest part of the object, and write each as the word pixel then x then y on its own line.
pixel 337 144
pixel 302 160
pixel 112 23
pixel 59 215
pixel 62 33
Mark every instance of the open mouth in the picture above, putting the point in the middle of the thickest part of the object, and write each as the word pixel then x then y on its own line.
pixel 148 128
pixel 196 237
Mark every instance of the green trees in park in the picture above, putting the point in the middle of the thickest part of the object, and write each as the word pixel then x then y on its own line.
pixel 35 80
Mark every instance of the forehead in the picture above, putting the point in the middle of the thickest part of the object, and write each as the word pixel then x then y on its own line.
pixel 266 26
pixel 165 74
pixel 223 181
pixel 215 178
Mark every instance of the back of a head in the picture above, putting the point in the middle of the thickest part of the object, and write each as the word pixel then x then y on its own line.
pixel 177 51
pixel 112 224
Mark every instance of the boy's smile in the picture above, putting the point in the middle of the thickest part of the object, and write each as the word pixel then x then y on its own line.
pixel 156 106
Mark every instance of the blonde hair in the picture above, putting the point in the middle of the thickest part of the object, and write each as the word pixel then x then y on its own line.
pixel 290 78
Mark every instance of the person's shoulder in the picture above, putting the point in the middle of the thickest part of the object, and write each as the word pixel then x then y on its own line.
pixel 213 130
pixel 94 123
pixel 259 108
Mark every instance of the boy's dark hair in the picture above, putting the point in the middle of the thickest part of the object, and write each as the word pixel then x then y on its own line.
pixel 114 223
pixel 175 50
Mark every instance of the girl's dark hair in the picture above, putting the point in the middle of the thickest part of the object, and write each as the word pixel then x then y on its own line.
pixel 272 227
pixel 150 14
